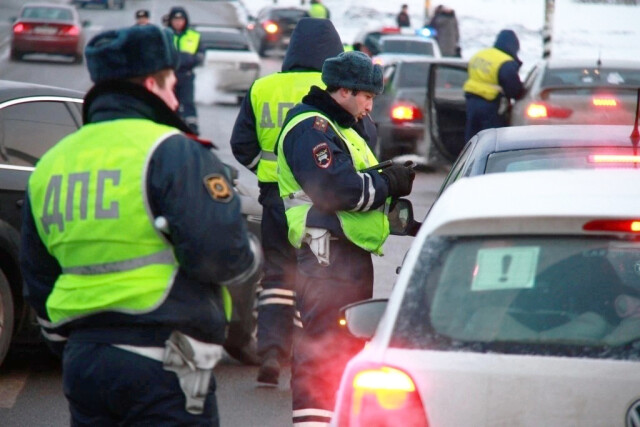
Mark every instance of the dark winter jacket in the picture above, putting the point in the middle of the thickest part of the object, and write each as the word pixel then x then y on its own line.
pixel 402 19
pixel 337 187
pixel 209 237
pixel 508 76
pixel 446 25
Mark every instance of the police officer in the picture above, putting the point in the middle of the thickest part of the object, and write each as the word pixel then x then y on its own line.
pixel 336 220
pixel 187 41
pixel 125 251
pixel 493 81
pixel 253 143
pixel 142 17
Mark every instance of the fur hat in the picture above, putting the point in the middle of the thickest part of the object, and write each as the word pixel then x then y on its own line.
pixel 142 13
pixel 130 52
pixel 353 70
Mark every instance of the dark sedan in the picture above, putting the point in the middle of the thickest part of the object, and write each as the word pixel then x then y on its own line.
pixel 48 28
pixel 526 148
pixel 272 27
pixel 401 111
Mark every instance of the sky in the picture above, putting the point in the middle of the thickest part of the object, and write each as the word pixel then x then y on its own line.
pixel 580 30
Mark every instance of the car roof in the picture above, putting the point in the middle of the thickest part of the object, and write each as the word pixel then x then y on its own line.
pixel 591 62
pixel 429 59
pixel 546 136
pixel 406 37
pixel 11 90
pixel 536 202
pixel 55 6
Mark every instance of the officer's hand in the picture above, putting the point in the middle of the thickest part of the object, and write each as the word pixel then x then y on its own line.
pixel 400 180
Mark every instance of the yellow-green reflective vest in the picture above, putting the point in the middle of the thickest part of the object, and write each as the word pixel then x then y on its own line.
pixel 187 42
pixel 368 230
pixel 318 11
pixel 483 73
pixel 271 98
pixel 90 188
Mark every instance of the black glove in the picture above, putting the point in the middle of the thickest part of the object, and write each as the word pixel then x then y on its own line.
pixel 400 180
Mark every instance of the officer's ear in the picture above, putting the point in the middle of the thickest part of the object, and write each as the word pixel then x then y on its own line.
pixel 150 83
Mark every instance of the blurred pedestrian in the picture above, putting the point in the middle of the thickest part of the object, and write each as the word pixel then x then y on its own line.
pixel 402 19
pixel 360 47
pixel 493 81
pixel 319 10
pixel 336 216
pixel 187 41
pixel 130 280
pixel 142 17
pixel 445 23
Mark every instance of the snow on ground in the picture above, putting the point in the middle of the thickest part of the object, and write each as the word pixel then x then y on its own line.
pixel 608 31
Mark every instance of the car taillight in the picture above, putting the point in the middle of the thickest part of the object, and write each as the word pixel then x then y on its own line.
pixel 544 111
pixel 613 158
pixel 70 30
pixel 382 397
pixel 615 225
pixel 19 28
pixel 405 112
pixel 604 101
pixel 270 27
pixel 251 26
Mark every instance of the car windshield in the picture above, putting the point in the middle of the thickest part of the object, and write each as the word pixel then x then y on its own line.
pixel 415 47
pixel 223 40
pixel 48 13
pixel 288 15
pixel 590 76
pixel 561 295
pixel 563 158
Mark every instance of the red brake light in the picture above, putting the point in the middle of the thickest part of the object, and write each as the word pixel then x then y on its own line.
pixel 390 30
pixel 71 30
pixel 270 27
pixel 18 28
pixel 604 101
pixel 613 158
pixel 383 397
pixel 543 111
pixel 405 112
pixel 616 225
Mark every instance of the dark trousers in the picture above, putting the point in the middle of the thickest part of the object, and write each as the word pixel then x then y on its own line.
pixel 185 90
pixel 108 386
pixel 324 348
pixel 276 301
pixel 481 115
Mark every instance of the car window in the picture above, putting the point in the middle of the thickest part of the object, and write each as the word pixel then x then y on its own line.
pixel 413 74
pixel 560 158
pixel 565 295
pixel 223 40
pixel 49 13
pixel 29 129
pixel 590 76
pixel 531 77
pixel 416 47
pixel 449 83
pixel 289 15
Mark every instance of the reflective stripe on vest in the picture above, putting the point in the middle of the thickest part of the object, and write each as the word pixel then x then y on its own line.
pixel 271 98
pixel 187 42
pixel 89 202
pixel 483 73
pixel 368 229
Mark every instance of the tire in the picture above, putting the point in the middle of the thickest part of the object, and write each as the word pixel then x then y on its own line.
pixel 6 316
pixel 15 55
pixel 262 50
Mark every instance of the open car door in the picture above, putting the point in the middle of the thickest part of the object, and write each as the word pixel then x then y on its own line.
pixel 445 113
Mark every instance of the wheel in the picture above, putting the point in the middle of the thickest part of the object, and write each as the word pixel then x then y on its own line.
pixel 6 316
pixel 262 50
pixel 15 55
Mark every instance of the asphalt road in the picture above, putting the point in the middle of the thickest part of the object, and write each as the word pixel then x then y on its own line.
pixel 30 379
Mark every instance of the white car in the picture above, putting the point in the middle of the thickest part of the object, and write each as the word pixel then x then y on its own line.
pixel 230 64
pixel 398 47
pixel 517 304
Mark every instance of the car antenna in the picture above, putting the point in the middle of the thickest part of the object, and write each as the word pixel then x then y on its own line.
pixel 635 133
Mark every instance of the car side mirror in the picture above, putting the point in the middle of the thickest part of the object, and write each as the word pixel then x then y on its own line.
pixel 86 23
pixel 13 19
pixel 401 220
pixel 361 318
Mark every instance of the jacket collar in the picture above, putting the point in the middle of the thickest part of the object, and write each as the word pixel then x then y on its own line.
pixel 321 100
